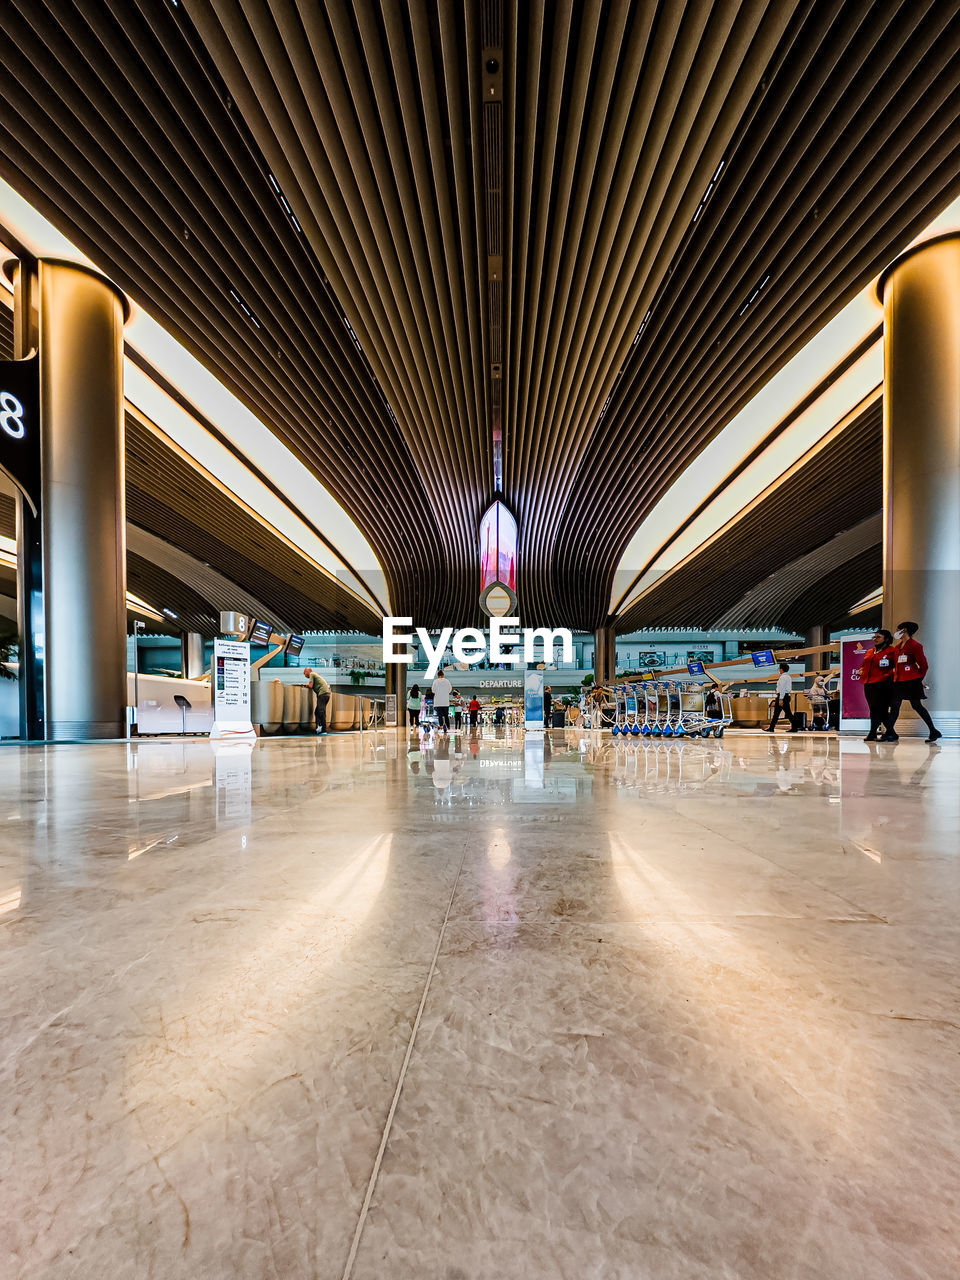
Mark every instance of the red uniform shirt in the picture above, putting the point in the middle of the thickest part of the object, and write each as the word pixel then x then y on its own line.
pixel 911 661
pixel 878 665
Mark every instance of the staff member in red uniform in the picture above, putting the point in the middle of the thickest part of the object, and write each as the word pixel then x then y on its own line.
pixel 876 676
pixel 909 669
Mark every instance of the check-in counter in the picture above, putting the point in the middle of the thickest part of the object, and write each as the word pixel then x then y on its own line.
pixel 157 711
pixel 753 712
pixel 344 711
pixel 266 705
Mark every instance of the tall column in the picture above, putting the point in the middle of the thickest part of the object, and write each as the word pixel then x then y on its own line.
pixel 396 680
pixel 921 464
pixel 816 636
pixel 83 517
pixel 192 661
pixel 604 655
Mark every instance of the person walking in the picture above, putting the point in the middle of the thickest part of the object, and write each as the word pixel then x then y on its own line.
pixel 414 701
pixel 876 676
pixel 316 682
pixel 909 669
pixel 457 704
pixel 547 706
pixel 442 689
pixel 782 700
pixel 474 710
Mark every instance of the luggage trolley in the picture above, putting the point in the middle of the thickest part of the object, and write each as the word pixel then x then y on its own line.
pixel 651 727
pixel 671 710
pixel 627 713
pixel 717 712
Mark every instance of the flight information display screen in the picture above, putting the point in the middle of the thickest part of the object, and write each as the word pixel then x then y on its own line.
pixel 260 633
pixel 763 658
pixel 293 646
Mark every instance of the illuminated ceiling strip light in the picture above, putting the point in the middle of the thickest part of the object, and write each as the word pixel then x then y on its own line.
pixel 851 393
pixel 136 605
pixel 219 406
pixel 774 403
pixel 666 565
pixel 191 441
pixel 868 602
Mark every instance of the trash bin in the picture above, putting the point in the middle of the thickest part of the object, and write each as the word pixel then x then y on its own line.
pixel 558 718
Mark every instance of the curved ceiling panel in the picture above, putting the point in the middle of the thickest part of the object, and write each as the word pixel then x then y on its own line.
pixel 774 602
pixel 840 485
pixel 444 249
pixel 120 132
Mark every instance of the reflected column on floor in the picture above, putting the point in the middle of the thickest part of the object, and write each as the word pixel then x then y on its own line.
pixel 921 425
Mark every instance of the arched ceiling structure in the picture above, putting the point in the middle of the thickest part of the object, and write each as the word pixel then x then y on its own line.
pixel 446 249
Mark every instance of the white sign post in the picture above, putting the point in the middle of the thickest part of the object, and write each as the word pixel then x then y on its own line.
pixel 231 690
pixel 533 700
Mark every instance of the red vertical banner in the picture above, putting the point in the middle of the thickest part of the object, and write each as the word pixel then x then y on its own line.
pixel 854 712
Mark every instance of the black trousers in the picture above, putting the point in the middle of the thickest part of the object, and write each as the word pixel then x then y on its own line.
pixel 414 714
pixel 909 691
pixel 322 700
pixel 878 696
pixel 781 704
pixel 443 717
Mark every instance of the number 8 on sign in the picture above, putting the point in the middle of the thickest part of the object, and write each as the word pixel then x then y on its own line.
pixel 11 415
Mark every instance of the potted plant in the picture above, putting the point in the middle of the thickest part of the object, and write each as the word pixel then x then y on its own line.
pixel 9 649
pixel 357 676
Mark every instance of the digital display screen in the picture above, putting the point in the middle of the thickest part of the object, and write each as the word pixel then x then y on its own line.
pixel 695 668
pixel 293 646
pixel 259 633
pixel 763 658
pixel 498 547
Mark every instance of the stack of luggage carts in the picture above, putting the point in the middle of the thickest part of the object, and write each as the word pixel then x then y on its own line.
pixel 670 709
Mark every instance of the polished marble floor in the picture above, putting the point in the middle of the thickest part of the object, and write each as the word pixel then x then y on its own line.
pixel 482 1009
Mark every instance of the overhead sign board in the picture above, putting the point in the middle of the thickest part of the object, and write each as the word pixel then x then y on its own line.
pixel 20 425
pixel 763 658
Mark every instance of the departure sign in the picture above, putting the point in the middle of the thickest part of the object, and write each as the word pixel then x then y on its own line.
pixel 763 658
pixel 20 425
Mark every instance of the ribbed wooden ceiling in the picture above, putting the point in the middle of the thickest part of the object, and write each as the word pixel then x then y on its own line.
pixel 569 239
pixel 740 578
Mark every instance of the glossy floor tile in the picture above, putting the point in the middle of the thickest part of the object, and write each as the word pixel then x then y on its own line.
pixel 381 1006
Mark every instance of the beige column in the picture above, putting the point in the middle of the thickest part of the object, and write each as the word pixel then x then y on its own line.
pixel 604 655
pixel 921 419
pixel 84 542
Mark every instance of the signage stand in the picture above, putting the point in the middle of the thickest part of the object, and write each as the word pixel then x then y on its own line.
pixel 854 712
pixel 533 700
pixel 230 678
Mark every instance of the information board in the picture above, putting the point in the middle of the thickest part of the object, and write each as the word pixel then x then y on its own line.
pixel 854 712
pixel 390 711
pixel 230 676
pixel 533 700
pixel 763 658
pixel 695 668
